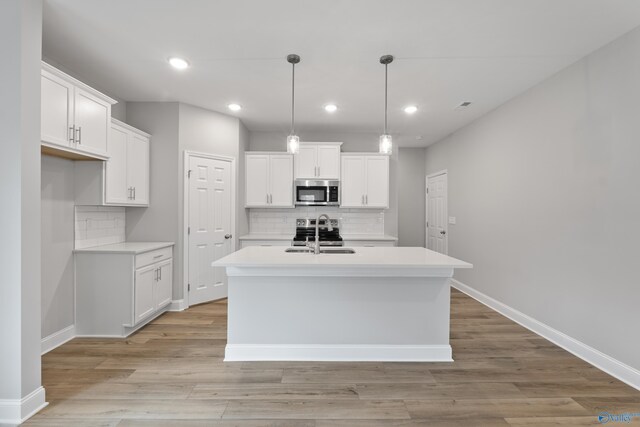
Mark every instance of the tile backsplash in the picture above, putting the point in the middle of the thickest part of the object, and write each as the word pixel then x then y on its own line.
pixel 283 221
pixel 99 225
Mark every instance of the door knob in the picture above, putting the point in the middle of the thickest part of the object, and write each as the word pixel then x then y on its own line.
pixel 443 232
pixel 228 236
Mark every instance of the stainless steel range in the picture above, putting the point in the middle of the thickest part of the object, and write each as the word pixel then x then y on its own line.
pixel 306 229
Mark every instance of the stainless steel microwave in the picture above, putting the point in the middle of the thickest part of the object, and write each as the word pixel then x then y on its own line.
pixel 317 192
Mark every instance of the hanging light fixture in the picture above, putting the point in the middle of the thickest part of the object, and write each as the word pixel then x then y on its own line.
pixel 386 142
pixel 293 141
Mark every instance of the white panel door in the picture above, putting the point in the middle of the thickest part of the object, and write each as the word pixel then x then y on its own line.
pixel 328 159
pixel 116 190
pixel 257 180
pixel 93 122
pixel 210 223
pixel 377 172
pixel 138 168
pixel 437 238
pixel 306 162
pixel 144 303
pixel 281 180
pixel 56 110
pixel 164 284
pixel 353 181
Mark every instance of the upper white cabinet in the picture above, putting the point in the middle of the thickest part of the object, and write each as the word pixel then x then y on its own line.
pixel 123 180
pixel 127 170
pixel 365 181
pixel 318 160
pixel 75 119
pixel 269 180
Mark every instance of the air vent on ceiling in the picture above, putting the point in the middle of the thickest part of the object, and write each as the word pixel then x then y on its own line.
pixel 463 105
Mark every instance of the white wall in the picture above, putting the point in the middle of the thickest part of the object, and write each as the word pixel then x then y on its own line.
pixel 175 128
pixel 353 142
pixel 20 49
pixel 57 199
pixel 545 191
pixel 411 196
pixel 158 222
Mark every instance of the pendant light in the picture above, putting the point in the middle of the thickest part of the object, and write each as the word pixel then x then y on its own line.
pixel 386 142
pixel 293 141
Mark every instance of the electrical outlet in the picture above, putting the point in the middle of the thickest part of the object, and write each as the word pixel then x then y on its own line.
pixel 452 220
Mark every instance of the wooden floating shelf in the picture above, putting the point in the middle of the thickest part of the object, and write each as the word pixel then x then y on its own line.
pixel 69 154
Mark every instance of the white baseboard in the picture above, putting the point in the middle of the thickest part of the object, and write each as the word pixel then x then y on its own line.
pixel 178 305
pixel 17 411
pixel 56 339
pixel 608 364
pixel 338 353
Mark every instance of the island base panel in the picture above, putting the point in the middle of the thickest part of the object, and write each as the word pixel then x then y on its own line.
pixel 338 318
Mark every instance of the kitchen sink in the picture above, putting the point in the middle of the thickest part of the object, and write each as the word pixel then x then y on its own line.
pixel 322 250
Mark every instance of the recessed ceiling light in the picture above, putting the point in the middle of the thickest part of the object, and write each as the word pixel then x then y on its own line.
pixel 234 107
pixel 330 108
pixel 410 109
pixel 178 63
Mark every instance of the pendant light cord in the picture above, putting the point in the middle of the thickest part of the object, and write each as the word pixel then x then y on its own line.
pixel 293 97
pixel 385 98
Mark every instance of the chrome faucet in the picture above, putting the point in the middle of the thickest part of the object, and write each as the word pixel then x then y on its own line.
pixel 316 247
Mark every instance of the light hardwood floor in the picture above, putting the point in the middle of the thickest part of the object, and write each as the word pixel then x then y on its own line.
pixel 171 373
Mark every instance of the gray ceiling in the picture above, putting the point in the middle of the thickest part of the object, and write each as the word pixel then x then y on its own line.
pixel 448 51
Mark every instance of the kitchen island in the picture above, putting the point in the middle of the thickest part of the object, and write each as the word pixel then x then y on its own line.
pixel 377 304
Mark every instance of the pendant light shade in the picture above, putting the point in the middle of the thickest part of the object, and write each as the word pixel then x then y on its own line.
pixel 386 141
pixel 293 141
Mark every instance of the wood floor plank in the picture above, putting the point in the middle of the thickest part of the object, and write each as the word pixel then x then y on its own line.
pixel 217 423
pixel 471 409
pixel 483 422
pixel 274 391
pixel 316 409
pixel 114 390
pixel 555 421
pixel 612 388
pixel 136 408
pixel 333 375
pixel 220 375
pixel 437 391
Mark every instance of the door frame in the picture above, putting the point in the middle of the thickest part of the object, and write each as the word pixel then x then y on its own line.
pixel 185 214
pixel 426 209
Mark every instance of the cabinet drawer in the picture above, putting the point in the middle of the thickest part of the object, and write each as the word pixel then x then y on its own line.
pixel 152 257
pixel 368 243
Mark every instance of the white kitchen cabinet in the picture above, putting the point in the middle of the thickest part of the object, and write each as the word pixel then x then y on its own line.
pixel 138 168
pixel 143 294
pixel 365 181
pixel 123 180
pixel 75 118
pixel 316 160
pixel 119 289
pixel 269 180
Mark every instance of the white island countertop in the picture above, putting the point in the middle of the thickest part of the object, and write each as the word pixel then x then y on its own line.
pixel 363 258
pixel 126 247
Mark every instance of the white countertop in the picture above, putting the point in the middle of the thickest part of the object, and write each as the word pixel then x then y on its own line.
pixel 364 258
pixel 274 236
pixel 126 247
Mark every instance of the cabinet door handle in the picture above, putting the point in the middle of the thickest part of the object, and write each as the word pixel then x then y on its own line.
pixel 267 198
pixel 156 278
pixel 134 193
pixel 271 198
pixel 160 273
pixel 362 199
pixel 79 137
pixel 72 137
pixel 366 199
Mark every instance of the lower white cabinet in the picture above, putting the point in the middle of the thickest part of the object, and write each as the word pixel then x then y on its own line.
pixel 117 291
